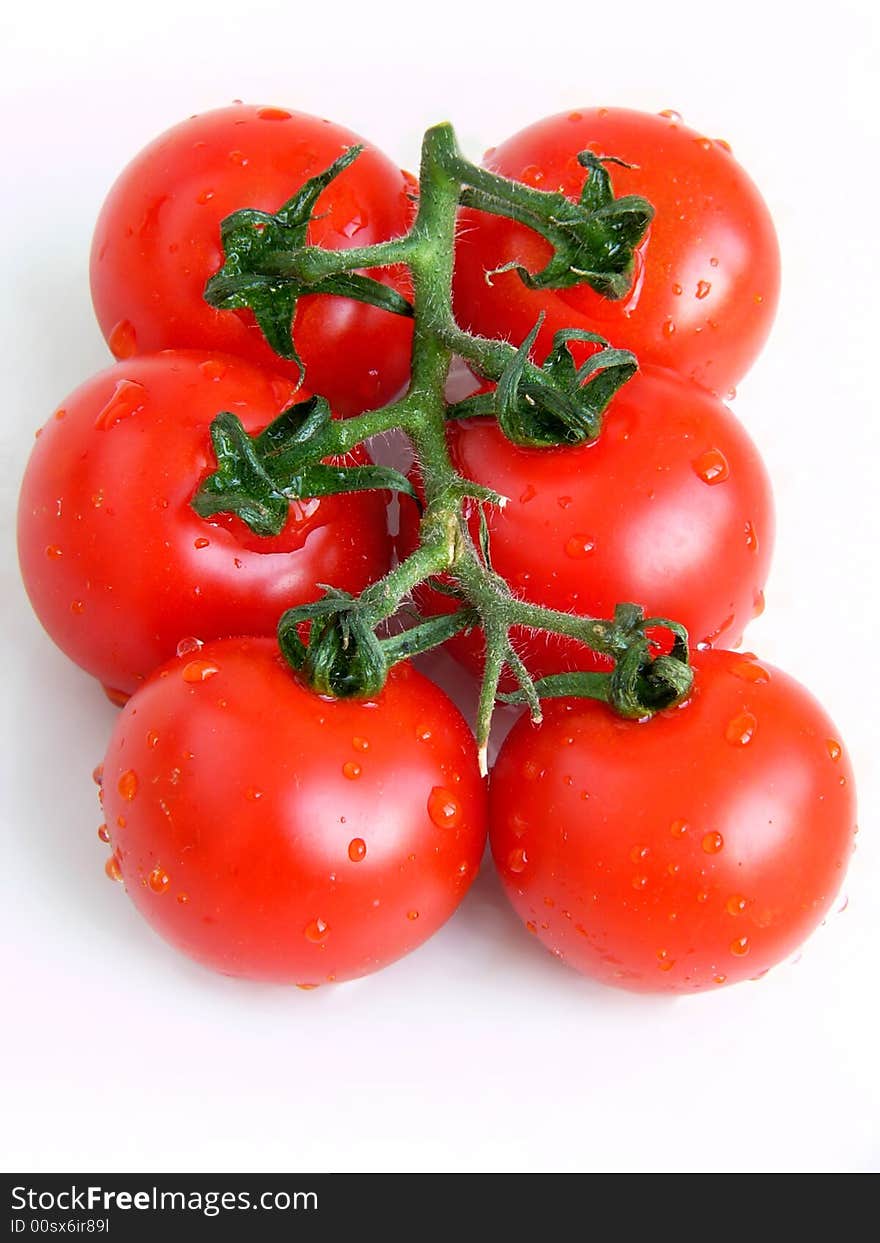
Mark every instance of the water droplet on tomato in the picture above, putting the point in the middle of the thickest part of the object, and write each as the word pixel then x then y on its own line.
pixel 103 833
pixel 205 197
pixel 274 114
pixel 517 859
pixel 60 413
pixel 123 340
pixel 98 774
pixel 423 733
pixel 201 542
pixel 77 606
pixel 532 175
pixel 412 915
pixel 736 904
pixel 671 115
pixel 579 547
pixel 112 868
pixel 532 927
pixel 759 604
pixel 741 730
pixel 668 328
pixel 720 979
pixel 213 369
pixel 128 398
pixel 712 466
pixel 751 537
pixel 190 644
pixel 238 157
pixel 316 931
pixel 834 749
pixel 351 770
pixel 677 290
pixel 564 501
pixel 53 552
pixel 127 785
pixel 712 843
pixel 360 744
pixel 664 962
pixel 749 671
pixel 639 882
pixel 740 947
pixel 158 880
pixel 639 852
pixel 575 116
pixel 443 807
pixel 528 494
pixel 704 288
pixel 199 671
pixel 357 849
pixel 678 828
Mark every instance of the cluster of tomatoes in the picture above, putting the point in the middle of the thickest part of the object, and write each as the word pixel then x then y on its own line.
pixel 278 834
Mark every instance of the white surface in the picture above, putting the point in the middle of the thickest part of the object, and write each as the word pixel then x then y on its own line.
pixel 479 1051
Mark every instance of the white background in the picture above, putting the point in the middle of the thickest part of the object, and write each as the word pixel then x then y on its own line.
pixel 479 1052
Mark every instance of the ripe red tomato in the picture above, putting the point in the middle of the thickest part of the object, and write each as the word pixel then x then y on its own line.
pixel 695 849
pixel 118 566
pixel 273 833
pixel 157 242
pixel 707 276
pixel 670 508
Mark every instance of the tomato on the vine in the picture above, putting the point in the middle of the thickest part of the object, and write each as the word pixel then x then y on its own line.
pixel 706 279
pixel 669 508
pixel 118 566
pixel 274 833
pixel 692 850
pixel 157 242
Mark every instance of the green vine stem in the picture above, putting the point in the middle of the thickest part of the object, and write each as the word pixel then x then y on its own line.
pixel 341 644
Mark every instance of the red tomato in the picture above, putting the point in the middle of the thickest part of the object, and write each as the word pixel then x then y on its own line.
pixel 670 508
pixel 707 276
pixel 117 564
pixel 695 849
pixel 158 241
pixel 273 833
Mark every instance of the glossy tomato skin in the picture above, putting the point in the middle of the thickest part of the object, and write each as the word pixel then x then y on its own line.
pixel 157 242
pixel 707 275
pixel 670 508
pixel 271 833
pixel 682 853
pixel 118 566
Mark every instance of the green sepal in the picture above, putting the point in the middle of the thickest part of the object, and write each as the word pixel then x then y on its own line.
pixel 240 484
pixel 565 403
pixel 343 656
pixel 257 476
pixel 254 242
pixel 593 240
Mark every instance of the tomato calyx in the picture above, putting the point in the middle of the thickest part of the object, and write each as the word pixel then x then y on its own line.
pixel 564 402
pixel 345 657
pixel 266 271
pixel 642 681
pixel 594 240
pixel 257 476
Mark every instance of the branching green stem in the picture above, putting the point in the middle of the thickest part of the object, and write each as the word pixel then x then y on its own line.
pixel 347 652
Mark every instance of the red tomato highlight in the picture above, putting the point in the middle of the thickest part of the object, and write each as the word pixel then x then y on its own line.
pixel 691 850
pixel 246 843
pixel 157 242
pixel 706 281
pixel 118 566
